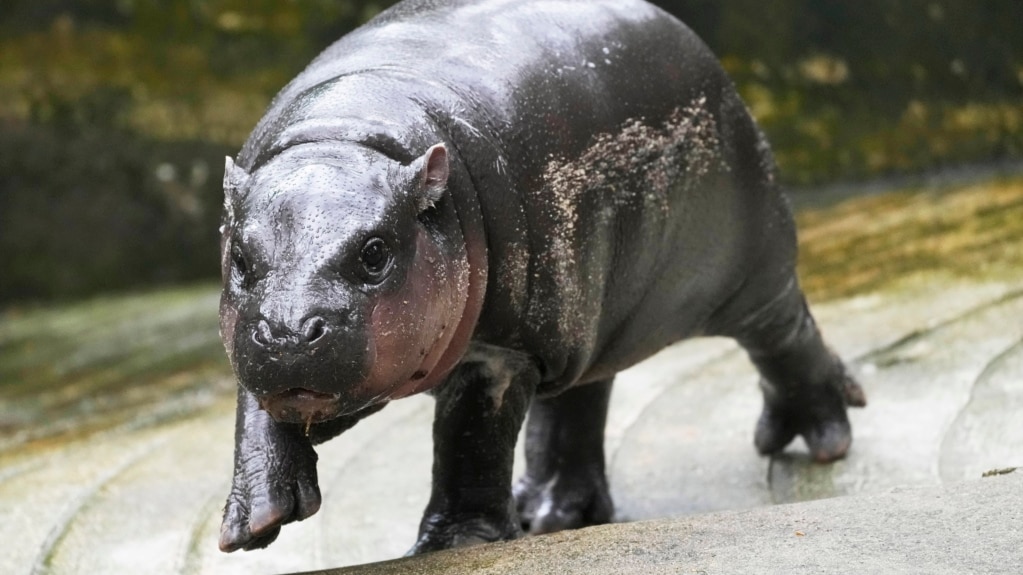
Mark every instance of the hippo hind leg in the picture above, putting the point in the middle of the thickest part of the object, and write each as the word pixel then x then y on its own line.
pixel 806 386
pixel 565 486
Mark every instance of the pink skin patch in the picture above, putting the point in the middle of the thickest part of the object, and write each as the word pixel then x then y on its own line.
pixel 413 328
pixel 476 272
pixel 228 321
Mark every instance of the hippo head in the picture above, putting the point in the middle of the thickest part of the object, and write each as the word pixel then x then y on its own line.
pixel 345 279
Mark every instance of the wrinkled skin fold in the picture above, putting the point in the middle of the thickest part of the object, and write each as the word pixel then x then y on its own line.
pixel 502 204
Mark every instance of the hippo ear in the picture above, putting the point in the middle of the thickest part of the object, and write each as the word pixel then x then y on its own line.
pixel 433 176
pixel 234 178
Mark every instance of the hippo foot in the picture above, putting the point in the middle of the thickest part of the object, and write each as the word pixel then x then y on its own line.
pixel 437 533
pixel 264 497
pixel 819 416
pixel 566 501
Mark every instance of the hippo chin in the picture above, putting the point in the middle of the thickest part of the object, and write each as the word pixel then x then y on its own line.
pixel 303 406
pixel 505 204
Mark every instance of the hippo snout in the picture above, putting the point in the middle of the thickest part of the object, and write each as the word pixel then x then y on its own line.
pixel 299 405
pixel 304 365
pixel 312 333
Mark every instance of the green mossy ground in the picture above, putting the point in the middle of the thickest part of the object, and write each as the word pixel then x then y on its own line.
pixel 863 244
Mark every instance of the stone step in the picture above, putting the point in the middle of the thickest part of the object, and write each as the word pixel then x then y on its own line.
pixel 970 527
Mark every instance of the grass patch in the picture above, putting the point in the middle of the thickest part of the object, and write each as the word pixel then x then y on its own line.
pixel 867 243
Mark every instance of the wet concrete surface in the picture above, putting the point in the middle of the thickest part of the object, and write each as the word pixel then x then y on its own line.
pixel 943 377
pixel 939 354
pixel 970 527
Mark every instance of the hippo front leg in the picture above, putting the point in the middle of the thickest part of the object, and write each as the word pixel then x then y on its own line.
pixel 274 478
pixel 479 411
pixel 274 473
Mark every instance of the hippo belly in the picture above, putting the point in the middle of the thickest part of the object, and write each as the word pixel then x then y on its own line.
pixel 502 203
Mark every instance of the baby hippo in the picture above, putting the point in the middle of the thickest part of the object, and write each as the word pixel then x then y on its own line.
pixel 503 204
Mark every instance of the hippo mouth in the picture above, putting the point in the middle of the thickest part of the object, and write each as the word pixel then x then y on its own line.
pixel 300 405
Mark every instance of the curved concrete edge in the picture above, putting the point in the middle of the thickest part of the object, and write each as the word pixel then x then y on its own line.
pixel 970 527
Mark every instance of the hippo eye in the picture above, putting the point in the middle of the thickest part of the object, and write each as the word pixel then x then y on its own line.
pixel 241 265
pixel 375 258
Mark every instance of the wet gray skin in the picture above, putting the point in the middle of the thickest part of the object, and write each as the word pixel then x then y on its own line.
pixel 505 204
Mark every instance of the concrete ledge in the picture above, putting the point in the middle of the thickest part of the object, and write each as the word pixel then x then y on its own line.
pixel 970 527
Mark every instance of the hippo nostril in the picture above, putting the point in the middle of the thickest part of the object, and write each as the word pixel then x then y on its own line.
pixel 262 334
pixel 285 340
pixel 313 329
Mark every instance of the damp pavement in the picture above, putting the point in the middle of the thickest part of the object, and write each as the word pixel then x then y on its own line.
pixel 939 355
